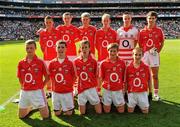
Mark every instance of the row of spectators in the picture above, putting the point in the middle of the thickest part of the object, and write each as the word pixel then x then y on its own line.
pixel 25 13
pixel 25 29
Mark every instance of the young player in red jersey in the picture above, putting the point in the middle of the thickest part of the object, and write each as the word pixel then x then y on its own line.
pixel 86 68
pixel 127 37
pixel 47 40
pixel 111 75
pixel 104 36
pixel 31 72
pixel 87 31
pixel 62 76
pixel 70 34
pixel 138 80
pixel 151 40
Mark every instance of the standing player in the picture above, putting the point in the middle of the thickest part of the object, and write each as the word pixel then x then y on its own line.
pixel 127 37
pixel 87 31
pixel 30 73
pixel 47 40
pixel 151 40
pixel 86 68
pixel 70 34
pixel 138 80
pixel 62 76
pixel 112 77
pixel 104 37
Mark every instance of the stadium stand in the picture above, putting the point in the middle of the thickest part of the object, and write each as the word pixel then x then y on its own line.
pixel 20 19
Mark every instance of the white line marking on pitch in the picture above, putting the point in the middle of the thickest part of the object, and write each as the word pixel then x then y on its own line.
pixel 10 99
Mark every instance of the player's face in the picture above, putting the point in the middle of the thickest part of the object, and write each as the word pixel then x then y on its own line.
pixel 61 49
pixel 127 19
pixel 137 55
pixel 67 19
pixel 85 49
pixel 30 49
pixel 49 23
pixel 151 20
pixel 113 53
pixel 106 21
pixel 85 20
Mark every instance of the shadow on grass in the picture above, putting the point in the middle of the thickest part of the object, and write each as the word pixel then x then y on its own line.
pixel 42 123
pixel 162 114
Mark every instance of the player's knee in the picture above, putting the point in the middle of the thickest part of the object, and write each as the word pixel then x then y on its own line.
pixel 21 116
pixel 145 111
pixel 120 109
pixel 68 113
pixel 107 109
pixel 57 113
pixel 130 110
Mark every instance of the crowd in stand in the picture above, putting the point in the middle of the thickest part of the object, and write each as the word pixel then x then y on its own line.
pixel 25 13
pixel 26 29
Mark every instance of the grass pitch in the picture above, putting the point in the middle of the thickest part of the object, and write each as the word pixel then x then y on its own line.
pixel 165 113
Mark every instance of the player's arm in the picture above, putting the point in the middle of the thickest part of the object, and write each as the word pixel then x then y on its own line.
pixel 162 41
pixel 149 86
pixel 46 79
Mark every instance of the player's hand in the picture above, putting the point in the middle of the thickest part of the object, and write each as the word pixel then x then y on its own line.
pixel 153 51
pixel 38 31
pixel 150 97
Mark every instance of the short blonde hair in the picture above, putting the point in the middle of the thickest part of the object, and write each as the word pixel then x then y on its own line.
pixel 113 45
pixel 138 49
pixel 85 14
pixel 106 16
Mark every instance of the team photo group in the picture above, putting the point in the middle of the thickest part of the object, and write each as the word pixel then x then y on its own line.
pixel 99 66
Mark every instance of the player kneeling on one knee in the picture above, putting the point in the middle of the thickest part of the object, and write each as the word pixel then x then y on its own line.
pixel 112 77
pixel 62 75
pixel 86 69
pixel 138 82
pixel 31 72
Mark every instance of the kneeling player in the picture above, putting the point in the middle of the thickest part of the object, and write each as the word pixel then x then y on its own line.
pixel 112 77
pixel 86 68
pixel 30 73
pixel 138 82
pixel 62 75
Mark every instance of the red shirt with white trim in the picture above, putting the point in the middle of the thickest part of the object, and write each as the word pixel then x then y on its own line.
pixel 48 41
pixel 127 38
pixel 149 38
pixel 112 74
pixel 102 40
pixel 86 72
pixel 62 75
pixel 32 73
pixel 71 35
pixel 88 34
pixel 137 78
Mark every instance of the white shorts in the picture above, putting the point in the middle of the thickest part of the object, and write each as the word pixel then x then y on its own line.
pixel 140 99
pixel 115 97
pixel 47 63
pixel 34 98
pixel 151 60
pixel 90 95
pixel 62 101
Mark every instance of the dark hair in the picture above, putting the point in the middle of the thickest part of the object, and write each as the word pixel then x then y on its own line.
pixel 48 17
pixel 61 42
pixel 30 41
pixel 152 13
pixel 85 42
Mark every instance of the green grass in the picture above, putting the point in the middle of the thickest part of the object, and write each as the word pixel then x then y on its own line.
pixel 162 114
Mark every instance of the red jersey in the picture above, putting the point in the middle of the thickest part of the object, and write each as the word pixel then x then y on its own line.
pixel 112 74
pixel 149 38
pixel 137 78
pixel 102 40
pixel 87 73
pixel 70 34
pixel 62 75
pixel 32 73
pixel 88 34
pixel 127 39
pixel 47 42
